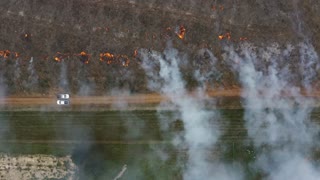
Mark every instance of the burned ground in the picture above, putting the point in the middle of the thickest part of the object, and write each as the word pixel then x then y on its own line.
pixel 99 41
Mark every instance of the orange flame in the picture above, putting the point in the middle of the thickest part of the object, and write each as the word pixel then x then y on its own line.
pixel 107 56
pixel 226 35
pixel 182 32
pixel 5 53
pixel 57 59
pixel 120 59
pixel 83 53
pixel 84 57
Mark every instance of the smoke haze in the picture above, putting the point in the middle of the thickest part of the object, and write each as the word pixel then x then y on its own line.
pixel 200 133
pixel 277 114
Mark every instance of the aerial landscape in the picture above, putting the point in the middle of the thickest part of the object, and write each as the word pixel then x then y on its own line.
pixel 182 90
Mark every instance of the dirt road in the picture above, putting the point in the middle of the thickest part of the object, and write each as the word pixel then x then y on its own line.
pixel 126 100
pixel 104 100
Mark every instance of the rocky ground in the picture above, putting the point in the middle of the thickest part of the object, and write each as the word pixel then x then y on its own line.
pixel 24 167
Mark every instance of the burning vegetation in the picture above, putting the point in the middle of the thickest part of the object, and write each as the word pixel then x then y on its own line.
pixel 58 57
pixel 110 58
pixel 181 32
pixel 84 57
pixel 107 57
pixel 5 53
pixel 228 37
pixel 225 36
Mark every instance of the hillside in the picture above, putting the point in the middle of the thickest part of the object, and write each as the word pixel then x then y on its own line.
pixel 93 47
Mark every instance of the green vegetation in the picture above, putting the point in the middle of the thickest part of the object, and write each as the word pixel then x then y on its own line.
pixel 100 143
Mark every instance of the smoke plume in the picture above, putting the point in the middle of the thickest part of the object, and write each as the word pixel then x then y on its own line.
pixel 33 76
pixel 277 112
pixel 63 80
pixel 200 134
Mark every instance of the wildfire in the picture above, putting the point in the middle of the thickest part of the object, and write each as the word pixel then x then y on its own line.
pixel 182 32
pixel 5 53
pixel 110 58
pixel 106 55
pixel 84 57
pixel 58 57
pixel 225 36
pixel 83 53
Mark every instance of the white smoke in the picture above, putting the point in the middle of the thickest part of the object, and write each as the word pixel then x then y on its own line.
pixel 63 79
pixel 277 114
pixel 309 64
pixel 200 134
pixel 17 72
pixel 33 76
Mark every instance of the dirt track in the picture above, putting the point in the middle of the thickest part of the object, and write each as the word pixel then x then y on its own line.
pixel 106 100
pixel 139 100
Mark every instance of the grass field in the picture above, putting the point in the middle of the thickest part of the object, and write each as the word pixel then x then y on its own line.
pixel 102 142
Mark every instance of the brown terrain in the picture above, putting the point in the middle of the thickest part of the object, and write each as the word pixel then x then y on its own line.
pixel 91 47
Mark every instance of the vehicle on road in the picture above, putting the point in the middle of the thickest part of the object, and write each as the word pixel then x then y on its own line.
pixel 63 102
pixel 63 96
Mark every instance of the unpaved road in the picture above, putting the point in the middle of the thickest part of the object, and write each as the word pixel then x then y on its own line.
pixel 144 101
pixel 104 100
